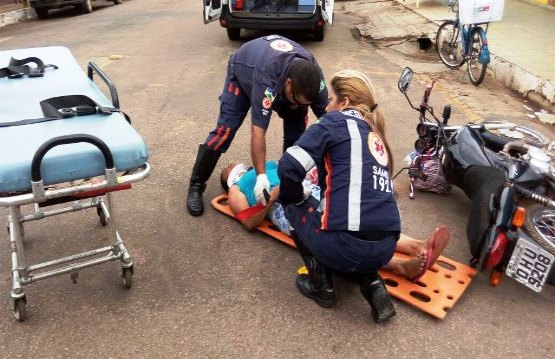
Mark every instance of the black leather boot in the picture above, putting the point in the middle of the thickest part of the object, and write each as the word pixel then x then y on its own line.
pixel 318 283
pixel 320 290
pixel 374 291
pixel 204 166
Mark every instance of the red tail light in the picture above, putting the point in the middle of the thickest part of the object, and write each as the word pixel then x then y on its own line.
pixel 223 22
pixel 320 23
pixel 497 250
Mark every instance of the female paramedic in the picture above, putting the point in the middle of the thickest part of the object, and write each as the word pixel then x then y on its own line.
pixel 238 182
pixel 356 225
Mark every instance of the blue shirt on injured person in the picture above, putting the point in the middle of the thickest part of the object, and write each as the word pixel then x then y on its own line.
pixel 247 182
pixel 246 185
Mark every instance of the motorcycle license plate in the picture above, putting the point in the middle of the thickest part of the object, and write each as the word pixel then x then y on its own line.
pixel 529 265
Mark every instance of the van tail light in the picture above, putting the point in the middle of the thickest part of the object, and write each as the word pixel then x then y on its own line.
pixel 519 217
pixel 497 250
pixel 320 23
pixel 223 22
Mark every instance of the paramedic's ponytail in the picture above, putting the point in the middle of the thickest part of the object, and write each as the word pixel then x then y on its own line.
pixel 377 121
pixel 355 86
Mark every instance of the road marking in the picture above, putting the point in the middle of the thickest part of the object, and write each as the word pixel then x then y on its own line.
pixel 104 61
pixel 472 116
pixel 463 107
pixel 447 94
pixel 2 39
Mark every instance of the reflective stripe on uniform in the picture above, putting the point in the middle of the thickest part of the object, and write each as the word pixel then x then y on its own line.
pixel 302 157
pixel 355 180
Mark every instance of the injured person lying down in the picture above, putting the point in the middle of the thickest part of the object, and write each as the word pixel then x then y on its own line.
pixel 238 181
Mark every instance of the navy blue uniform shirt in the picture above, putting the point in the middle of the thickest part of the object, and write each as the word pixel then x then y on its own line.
pixel 260 67
pixel 356 189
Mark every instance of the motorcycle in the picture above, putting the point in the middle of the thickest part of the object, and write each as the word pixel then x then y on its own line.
pixel 511 183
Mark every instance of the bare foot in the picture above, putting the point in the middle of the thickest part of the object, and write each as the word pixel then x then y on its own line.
pixel 409 268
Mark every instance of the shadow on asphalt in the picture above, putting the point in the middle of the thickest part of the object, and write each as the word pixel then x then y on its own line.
pixel 70 11
pixel 297 36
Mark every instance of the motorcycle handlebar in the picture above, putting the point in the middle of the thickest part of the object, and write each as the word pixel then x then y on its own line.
pixel 427 93
pixel 424 104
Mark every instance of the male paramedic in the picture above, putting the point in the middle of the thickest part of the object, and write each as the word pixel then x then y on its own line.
pixel 267 74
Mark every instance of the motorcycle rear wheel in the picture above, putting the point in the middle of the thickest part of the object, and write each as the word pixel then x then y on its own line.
pixel 540 225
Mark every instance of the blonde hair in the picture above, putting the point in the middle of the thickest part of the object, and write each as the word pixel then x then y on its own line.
pixel 355 86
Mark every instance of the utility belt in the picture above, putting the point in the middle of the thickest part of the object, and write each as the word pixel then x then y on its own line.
pixel 18 68
pixel 374 236
pixel 61 107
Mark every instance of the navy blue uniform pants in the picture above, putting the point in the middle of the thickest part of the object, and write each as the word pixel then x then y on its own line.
pixel 338 250
pixel 234 105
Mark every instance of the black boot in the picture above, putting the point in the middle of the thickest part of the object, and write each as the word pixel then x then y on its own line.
pixel 320 290
pixel 374 291
pixel 318 283
pixel 204 165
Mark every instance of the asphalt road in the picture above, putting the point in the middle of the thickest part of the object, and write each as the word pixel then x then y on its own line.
pixel 204 287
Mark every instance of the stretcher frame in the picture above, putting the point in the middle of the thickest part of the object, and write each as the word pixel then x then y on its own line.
pixel 95 193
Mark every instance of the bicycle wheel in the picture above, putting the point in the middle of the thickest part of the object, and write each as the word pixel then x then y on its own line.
pixel 448 44
pixel 476 70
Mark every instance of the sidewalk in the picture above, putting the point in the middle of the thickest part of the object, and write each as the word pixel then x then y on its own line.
pixel 12 12
pixel 521 44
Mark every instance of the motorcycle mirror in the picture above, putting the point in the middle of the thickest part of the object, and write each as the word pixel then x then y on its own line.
pixel 446 114
pixel 405 79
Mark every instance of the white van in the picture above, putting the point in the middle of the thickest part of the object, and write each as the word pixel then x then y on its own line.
pixel 234 15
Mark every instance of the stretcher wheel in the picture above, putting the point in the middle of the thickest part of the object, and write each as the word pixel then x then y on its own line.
pixel 101 216
pixel 127 277
pixel 19 309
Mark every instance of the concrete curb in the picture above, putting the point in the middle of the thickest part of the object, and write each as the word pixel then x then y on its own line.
pixel 522 81
pixel 12 17
pixel 514 77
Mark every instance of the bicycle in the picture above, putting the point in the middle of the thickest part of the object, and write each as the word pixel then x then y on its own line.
pixel 459 43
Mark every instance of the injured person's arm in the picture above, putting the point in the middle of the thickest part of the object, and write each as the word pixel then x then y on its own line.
pixel 239 182
pixel 249 216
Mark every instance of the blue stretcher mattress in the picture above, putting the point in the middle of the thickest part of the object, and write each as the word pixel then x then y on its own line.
pixel 20 98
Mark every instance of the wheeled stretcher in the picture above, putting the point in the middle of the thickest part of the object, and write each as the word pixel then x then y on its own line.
pixel 63 143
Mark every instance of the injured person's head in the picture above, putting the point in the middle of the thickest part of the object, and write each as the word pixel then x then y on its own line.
pixel 231 174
